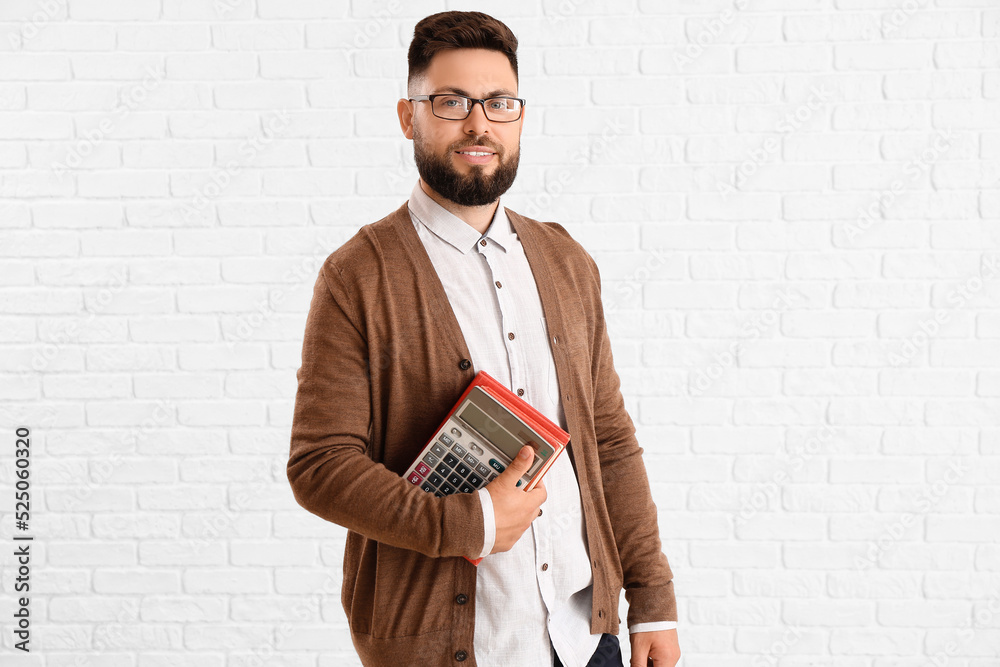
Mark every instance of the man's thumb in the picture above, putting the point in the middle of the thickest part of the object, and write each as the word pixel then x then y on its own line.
pixel 521 462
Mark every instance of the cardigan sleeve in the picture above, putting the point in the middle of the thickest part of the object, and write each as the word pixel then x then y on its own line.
pixel 647 578
pixel 329 469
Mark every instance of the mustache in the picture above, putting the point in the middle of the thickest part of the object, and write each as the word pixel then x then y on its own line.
pixel 489 144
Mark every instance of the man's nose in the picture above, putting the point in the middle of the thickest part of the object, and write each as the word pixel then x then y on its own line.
pixel 477 120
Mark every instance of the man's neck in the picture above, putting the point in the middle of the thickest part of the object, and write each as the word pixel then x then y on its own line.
pixel 477 217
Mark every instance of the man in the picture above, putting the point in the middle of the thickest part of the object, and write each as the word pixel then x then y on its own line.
pixel 403 316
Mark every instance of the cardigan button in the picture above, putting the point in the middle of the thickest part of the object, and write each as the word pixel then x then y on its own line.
pixel 461 655
pixel 600 613
pixel 464 364
pixel 461 598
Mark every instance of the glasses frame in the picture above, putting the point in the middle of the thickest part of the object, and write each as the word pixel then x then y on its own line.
pixel 474 102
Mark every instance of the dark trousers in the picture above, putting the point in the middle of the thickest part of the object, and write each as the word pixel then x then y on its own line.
pixel 608 653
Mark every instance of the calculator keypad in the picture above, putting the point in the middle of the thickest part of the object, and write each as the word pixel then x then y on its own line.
pixel 448 468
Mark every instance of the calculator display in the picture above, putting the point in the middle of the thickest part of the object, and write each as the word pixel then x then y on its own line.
pixel 497 435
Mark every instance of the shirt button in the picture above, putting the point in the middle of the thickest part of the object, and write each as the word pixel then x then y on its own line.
pixel 482 241
pixel 545 566
pixel 461 655
pixel 461 598
pixel 520 392
pixel 498 284
pixel 510 335
pixel 464 364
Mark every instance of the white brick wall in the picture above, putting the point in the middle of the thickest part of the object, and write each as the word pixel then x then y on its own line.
pixel 795 207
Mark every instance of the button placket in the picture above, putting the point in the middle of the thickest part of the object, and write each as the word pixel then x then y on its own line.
pixel 514 359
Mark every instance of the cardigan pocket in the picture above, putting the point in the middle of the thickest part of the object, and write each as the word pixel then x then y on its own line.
pixel 410 593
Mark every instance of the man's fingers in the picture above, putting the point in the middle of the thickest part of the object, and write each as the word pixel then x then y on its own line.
pixel 519 465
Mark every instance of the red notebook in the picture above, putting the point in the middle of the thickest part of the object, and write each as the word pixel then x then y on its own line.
pixel 480 437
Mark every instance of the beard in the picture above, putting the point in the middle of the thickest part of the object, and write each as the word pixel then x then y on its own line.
pixel 475 188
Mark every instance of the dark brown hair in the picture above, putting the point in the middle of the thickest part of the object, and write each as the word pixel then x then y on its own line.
pixel 458 30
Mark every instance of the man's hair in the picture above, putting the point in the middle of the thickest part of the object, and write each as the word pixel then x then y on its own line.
pixel 457 30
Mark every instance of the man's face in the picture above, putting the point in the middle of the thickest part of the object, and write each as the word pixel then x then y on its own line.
pixel 478 73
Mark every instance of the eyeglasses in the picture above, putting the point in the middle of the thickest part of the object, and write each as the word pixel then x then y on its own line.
pixel 458 107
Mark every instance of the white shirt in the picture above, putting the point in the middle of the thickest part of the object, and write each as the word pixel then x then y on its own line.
pixel 493 293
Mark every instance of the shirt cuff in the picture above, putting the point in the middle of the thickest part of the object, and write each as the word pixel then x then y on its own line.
pixel 654 626
pixel 489 523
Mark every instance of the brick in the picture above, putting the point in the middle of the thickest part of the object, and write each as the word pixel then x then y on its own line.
pixel 114 10
pixel 36 66
pixel 77 215
pixel 785 58
pixel 90 554
pixel 302 9
pixel 87 386
pixel 143 581
pixel 163 37
pixel 144 525
pixel 220 65
pixel 163 155
pixel 242 580
pixel 302 65
pixel 883 56
pixel 178 386
pixel 258 95
pixel 264 37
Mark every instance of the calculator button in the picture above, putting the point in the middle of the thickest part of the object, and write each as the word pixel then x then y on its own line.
pixel 435 479
pixel 462 469
pixel 443 469
pixel 458 434
pixel 437 449
pixel 446 490
pixel 423 469
pixel 496 465
pixel 414 478
pixel 430 459
pixel 445 439
pixel 493 476
pixel 471 460
pixel 451 460
pixel 427 487
pixel 476 448
pixel 519 482
pixel 475 480
pixel 458 449
pixel 482 470
pixel 455 480
pixel 467 488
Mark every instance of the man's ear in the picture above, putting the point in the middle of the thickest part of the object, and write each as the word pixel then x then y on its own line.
pixel 404 109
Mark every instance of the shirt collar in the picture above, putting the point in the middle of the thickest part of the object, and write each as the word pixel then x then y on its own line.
pixel 449 227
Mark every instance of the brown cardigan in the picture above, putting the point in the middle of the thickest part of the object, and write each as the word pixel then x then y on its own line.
pixel 383 360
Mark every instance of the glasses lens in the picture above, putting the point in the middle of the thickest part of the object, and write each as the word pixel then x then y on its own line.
pixel 451 106
pixel 503 108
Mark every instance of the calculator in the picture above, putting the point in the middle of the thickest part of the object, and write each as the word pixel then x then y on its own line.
pixel 480 437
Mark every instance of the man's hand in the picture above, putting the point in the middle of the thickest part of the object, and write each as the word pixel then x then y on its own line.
pixel 513 507
pixel 654 649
